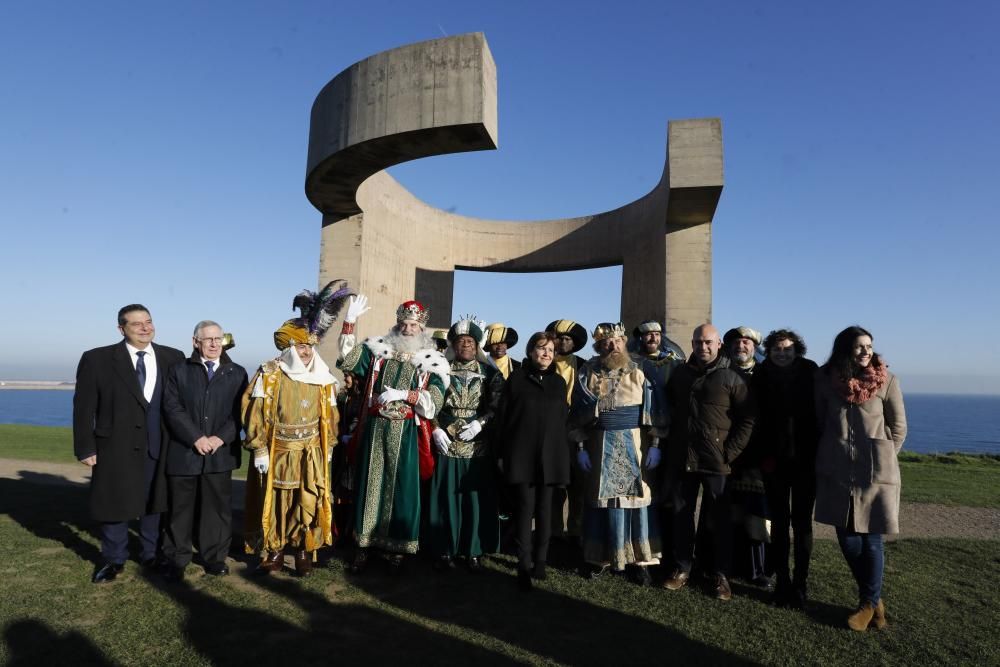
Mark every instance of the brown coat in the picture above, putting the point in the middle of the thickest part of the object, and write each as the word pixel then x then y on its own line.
pixel 857 474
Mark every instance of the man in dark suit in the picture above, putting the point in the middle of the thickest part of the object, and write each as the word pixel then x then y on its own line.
pixel 202 409
pixel 117 431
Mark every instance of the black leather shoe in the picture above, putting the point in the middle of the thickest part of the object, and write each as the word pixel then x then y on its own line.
pixel 156 565
pixel 107 572
pixel 217 569
pixel 538 572
pixel 524 580
pixel 360 561
pixel 641 576
pixel 174 574
pixel 444 564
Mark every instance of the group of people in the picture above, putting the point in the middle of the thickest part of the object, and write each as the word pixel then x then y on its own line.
pixel 434 437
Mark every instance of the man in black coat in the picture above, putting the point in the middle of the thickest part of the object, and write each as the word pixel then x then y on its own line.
pixel 202 410
pixel 711 419
pixel 118 432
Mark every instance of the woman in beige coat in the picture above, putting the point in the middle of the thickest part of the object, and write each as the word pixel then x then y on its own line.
pixel 862 426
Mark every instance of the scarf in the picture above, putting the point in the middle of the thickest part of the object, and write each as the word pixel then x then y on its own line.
pixel 858 390
pixel 317 372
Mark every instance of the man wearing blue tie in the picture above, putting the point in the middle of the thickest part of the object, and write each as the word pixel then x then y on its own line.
pixel 202 409
pixel 118 432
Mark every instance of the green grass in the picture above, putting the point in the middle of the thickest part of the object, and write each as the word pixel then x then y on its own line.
pixel 52 444
pixel 939 594
pixel 949 479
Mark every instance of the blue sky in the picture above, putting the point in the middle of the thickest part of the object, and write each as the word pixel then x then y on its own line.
pixel 156 153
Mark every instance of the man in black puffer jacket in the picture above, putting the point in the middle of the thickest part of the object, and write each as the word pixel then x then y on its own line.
pixel 201 406
pixel 711 418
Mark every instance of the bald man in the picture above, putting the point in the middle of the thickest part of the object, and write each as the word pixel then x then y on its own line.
pixel 711 420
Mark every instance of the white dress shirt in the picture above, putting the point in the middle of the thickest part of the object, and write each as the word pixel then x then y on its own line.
pixel 149 359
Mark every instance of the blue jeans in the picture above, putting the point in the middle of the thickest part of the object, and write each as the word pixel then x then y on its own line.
pixel 866 557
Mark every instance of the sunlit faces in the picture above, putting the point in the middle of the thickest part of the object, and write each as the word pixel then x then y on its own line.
pixel 862 351
pixel 706 344
pixel 408 328
pixel 138 329
pixel 208 342
pixel 782 352
pixel 651 341
pixel 305 352
pixel 741 350
pixel 497 350
pixel 542 355
pixel 607 346
pixel 564 344
pixel 464 347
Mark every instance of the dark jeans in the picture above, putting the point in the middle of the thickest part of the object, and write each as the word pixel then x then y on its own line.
pixel 210 496
pixel 114 534
pixel 532 499
pixel 866 557
pixel 715 509
pixel 800 486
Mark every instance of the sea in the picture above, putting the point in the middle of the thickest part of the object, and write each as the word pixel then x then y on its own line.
pixel 938 423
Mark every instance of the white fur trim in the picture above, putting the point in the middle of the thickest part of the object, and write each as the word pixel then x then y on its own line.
pixel 426 361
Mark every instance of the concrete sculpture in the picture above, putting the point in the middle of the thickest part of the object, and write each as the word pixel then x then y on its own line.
pixel 439 96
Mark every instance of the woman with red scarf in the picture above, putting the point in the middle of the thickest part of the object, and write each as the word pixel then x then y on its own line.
pixel 862 426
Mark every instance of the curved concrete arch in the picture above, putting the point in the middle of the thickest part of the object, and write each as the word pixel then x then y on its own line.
pixel 439 97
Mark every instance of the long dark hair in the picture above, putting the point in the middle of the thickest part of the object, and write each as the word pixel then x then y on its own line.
pixel 841 362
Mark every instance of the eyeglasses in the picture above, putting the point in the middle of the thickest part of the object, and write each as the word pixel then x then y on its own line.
pixel 217 340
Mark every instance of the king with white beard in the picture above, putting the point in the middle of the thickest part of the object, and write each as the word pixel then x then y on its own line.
pixel 404 386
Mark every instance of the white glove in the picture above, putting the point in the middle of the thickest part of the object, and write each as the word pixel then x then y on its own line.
pixel 262 463
pixel 390 395
pixel 441 440
pixel 583 460
pixel 345 438
pixel 470 431
pixel 652 457
pixel 356 307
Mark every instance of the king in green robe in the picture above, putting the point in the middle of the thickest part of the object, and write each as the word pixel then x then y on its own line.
pixel 404 386
pixel 463 516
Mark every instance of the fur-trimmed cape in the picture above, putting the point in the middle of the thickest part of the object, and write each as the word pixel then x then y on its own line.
pixel 427 360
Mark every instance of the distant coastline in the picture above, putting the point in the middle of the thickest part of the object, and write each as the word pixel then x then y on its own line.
pixel 37 384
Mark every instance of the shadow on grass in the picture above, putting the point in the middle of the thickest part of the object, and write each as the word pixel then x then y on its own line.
pixel 30 642
pixel 421 616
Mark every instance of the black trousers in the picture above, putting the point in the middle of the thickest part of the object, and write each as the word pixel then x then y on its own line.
pixel 209 498
pixel 532 500
pixel 714 509
pixel 799 484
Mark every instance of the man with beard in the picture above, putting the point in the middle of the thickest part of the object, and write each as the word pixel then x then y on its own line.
pixel 659 357
pixel 749 501
pixel 290 417
pixel 404 386
pixel 711 418
pixel 499 339
pixel 463 518
pixel 570 338
pixel 741 345
pixel 613 407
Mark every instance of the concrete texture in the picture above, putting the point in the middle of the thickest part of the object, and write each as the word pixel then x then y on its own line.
pixel 439 97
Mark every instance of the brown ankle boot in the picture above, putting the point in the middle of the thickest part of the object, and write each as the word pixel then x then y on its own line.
pixel 303 563
pixel 878 619
pixel 271 562
pixel 860 619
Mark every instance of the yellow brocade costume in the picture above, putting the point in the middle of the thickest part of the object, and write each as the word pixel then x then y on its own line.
pixel 295 425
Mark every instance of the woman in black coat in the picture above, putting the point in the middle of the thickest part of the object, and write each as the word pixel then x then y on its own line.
pixel 531 430
pixel 784 439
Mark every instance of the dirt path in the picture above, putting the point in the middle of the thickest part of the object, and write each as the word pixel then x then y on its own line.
pixel 915 519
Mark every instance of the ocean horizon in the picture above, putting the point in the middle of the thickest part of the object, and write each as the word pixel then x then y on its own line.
pixel 937 423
